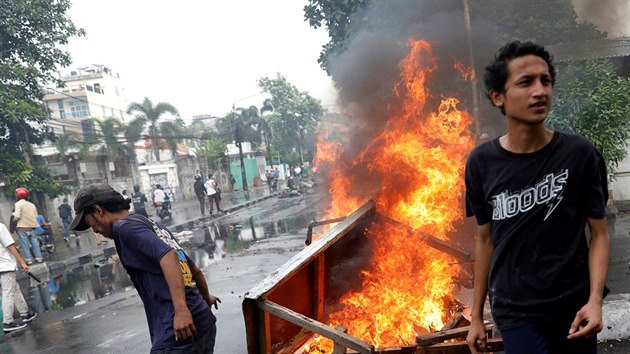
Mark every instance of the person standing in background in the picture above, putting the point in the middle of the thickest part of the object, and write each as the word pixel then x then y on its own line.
pixel 138 200
pixel 200 191
pixel 65 214
pixel 213 193
pixel 26 217
pixel 12 297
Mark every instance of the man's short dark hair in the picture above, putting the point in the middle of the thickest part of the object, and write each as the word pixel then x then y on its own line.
pixel 497 71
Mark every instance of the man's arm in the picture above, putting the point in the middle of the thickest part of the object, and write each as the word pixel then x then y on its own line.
pixel 483 254
pixel 17 214
pixel 200 280
pixel 183 324
pixel 11 248
pixel 588 320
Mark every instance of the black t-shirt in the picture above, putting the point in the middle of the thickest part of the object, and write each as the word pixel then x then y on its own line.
pixel 200 189
pixel 538 204
pixel 138 199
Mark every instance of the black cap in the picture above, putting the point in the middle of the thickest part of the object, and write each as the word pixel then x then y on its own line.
pixel 89 196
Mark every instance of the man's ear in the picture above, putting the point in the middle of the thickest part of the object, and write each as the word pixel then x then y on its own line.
pixel 497 98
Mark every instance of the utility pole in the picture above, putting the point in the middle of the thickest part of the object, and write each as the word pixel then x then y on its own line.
pixel 471 60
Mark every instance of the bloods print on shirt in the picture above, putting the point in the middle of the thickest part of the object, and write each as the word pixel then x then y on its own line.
pixel 548 191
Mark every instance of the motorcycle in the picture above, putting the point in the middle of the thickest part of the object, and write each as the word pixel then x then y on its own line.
pixel 163 210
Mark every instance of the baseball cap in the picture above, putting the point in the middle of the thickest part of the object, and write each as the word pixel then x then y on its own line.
pixel 89 196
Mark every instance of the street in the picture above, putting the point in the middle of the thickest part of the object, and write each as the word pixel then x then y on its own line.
pixel 235 251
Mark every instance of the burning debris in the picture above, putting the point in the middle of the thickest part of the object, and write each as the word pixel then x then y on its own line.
pixel 384 277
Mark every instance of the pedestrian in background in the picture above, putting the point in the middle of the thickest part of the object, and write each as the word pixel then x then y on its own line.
pixel 26 216
pixel 200 191
pixel 12 297
pixel 533 191
pixel 138 201
pixel 173 289
pixel 214 196
pixel 65 214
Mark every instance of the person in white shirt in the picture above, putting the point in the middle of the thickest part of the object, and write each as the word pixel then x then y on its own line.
pixel 214 193
pixel 11 294
pixel 158 195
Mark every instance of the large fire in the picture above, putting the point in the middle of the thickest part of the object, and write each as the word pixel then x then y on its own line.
pixel 418 160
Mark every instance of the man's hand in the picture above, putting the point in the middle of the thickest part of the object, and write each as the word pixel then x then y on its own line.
pixel 588 321
pixel 25 267
pixel 183 326
pixel 213 300
pixel 477 339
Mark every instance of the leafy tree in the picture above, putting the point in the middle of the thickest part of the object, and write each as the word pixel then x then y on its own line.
pixel 511 19
pixel 133 133
pixel 152 114
pixel 110 130
pixel 172 132
pixel 212 150
pixel 31 33
pixel 295 114
pixel 263 127
pixel 593 101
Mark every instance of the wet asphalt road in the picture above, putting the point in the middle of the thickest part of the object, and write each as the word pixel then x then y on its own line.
pixel 116 323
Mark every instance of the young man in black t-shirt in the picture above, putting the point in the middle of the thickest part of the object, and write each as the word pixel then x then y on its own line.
pixel 533 191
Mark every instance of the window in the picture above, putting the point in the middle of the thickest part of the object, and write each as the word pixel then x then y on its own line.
pixel 78 109
pixel 97 88
pixel 62 109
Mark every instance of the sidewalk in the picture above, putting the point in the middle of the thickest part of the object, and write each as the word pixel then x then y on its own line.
pixel 186 215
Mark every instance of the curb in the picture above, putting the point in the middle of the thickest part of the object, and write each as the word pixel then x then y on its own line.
pixel 616 315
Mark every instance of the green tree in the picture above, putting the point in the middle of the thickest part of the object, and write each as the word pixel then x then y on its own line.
pixel 31 33
pixel 212 150
pixel 152 114
pixel 133 133
pixel 172 132
pixel 263 127
pixel 511 19
pixel 590 99
pixel 295 114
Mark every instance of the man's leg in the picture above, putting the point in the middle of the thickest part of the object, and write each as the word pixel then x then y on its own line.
pixel 25 245
pixel 66 225
pixel 210 203
pixel 202 204
pixel 8 290
pixel 34 241
pixel 525 339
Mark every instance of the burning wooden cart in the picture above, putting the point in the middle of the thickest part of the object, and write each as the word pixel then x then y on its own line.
pixel 284 310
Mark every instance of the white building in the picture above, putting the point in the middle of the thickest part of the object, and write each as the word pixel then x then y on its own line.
pixel 89 92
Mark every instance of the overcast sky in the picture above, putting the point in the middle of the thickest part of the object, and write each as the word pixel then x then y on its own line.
pixel 201 56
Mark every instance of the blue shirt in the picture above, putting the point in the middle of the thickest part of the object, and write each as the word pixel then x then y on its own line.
pixel 140 250
pixel 39 230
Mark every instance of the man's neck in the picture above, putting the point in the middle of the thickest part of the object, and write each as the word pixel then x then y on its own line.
pixel 526 139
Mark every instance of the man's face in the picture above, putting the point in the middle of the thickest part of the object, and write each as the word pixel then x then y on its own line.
pixel 528 91
pixel 99 222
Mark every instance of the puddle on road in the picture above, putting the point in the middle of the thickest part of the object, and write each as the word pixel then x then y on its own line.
pixel 92 279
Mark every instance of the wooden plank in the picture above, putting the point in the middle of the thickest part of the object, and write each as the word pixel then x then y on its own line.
pixel 308 323
pixel 318 299
pixel 430 240
pixel 338 348
pixel 308 254
pixel 494 344
pixel 441 336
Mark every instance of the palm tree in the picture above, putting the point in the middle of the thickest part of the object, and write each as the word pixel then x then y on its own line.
pixel 172 132
pixel 133 133
pixel 152 114
pixel 241 123
pixel 264 128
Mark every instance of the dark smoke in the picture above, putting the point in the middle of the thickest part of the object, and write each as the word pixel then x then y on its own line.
pixel 368 70
pixel 608 15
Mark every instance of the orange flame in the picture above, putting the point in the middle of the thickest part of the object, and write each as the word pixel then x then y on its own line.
pixel 464 70
pixel 419 160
